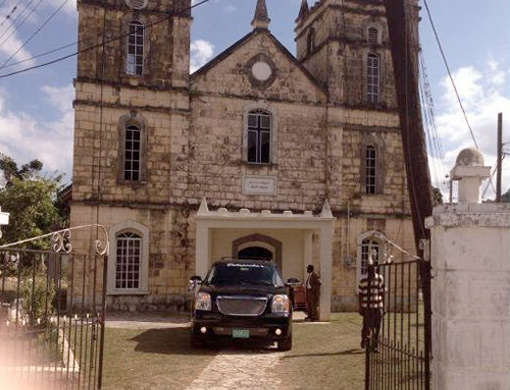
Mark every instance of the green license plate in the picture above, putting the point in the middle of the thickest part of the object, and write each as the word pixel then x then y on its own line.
pixel 241 333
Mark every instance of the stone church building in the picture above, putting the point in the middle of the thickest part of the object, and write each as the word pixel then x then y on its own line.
pixel 259 153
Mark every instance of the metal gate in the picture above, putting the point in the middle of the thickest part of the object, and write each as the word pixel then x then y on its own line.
pixel 398 353
pixel 52 311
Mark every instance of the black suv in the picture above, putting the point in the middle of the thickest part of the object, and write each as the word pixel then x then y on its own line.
pixel 242 299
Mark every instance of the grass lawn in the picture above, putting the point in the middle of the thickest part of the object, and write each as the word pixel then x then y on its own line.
pixel 324 356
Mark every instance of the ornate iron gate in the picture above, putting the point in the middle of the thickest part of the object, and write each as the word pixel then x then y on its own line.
pixel 52 311
pixel 399 356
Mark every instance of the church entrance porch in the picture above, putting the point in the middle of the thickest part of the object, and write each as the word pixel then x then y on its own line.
pixel 291 240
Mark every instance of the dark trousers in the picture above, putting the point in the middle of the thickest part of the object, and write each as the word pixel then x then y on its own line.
pixel 312 303
pixel 371 323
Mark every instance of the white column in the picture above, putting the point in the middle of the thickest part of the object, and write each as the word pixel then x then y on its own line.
pixel 307 251
pixel 326 235
pixel 202 249
pixel 470 296
pixel 4 220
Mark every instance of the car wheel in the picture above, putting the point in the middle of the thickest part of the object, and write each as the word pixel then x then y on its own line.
pixel 285 344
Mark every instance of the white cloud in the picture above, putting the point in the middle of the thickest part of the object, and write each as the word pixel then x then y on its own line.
pixel 10 46
pixel 25 138
pixel 69 7
pixel 201 52
pixel 482 92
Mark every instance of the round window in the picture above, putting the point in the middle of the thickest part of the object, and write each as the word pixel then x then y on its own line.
pixel 136 4
pixel 261 71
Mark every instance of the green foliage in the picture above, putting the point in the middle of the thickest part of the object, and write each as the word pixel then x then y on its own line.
pixel 505 198
pixel 31 200
pixel 437 196
pixel 38 293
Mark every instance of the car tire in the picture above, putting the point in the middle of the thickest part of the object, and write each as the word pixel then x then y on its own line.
pixel 285 344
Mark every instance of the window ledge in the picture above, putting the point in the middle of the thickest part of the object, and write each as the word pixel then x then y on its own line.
pixel 128 292
pixel 133 183
pixel 259 165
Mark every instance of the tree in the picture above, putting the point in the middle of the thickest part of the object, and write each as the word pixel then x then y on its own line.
pixel 505 198
pixel 437 196
pixel 31 199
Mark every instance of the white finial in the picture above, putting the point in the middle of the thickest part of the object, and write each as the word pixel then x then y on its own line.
pixel 204 209
pixel 470 171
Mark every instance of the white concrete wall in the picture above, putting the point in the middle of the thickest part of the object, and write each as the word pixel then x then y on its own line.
pixel 470 257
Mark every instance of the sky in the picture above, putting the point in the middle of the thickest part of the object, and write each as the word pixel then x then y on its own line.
pixel 36 116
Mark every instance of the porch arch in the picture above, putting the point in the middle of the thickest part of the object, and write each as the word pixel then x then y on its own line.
pixel 267 242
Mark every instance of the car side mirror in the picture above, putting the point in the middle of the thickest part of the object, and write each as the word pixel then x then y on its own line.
pixel 196 279
pixel 292 282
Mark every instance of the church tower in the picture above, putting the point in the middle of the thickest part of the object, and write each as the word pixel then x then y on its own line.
pixel 345 45
pixel 132 99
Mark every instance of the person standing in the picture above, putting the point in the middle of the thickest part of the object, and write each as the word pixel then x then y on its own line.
pixel 371 305
pixel 313 291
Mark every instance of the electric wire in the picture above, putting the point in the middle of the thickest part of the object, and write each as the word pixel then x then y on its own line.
pixel 449 72
pixel 40 55
pixel 119 37
pixel 8 16
pixel 17 27
pixel 34 34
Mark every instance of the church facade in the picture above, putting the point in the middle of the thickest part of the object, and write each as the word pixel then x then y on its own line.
pixel 259 153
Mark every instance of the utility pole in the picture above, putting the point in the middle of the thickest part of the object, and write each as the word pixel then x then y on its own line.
pixel 404 52
pixel 500 157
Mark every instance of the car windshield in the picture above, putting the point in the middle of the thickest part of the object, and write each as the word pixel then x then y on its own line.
pixel 245 273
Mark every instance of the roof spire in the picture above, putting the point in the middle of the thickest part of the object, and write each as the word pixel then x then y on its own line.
pixel 261 20
pixel 303 11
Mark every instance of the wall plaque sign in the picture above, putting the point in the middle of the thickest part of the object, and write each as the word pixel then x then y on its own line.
pixel 259 185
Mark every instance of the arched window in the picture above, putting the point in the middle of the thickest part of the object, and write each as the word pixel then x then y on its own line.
pixel 259 137
pixel 132 153
pixel 373 35
pixel 368 246
pixel 370 169
pixel 135 49
pixel 128 261
pixel 373 76
pixel 371 242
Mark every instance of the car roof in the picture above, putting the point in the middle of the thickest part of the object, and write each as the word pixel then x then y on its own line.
pixel 229 260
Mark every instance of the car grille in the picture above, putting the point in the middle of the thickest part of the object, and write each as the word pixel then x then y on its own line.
pixel 241 306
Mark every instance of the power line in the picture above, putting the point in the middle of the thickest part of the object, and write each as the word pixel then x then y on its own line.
pixel 36 32
pixel 8 16
pixel 100 44
pixel 40 55
pixel 449 72
pixel 30 11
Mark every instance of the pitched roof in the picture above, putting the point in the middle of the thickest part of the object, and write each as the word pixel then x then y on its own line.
pixel 227 52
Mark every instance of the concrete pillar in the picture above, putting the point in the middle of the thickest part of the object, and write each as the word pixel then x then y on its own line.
pixel 326 235
pixel 470 256
pixel 4 220
pixel 202 249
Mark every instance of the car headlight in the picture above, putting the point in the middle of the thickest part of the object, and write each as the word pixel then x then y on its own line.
pixel 203 301
pixel 281 304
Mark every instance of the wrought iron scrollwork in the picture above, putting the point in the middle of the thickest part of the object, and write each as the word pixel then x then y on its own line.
pixel 62 241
